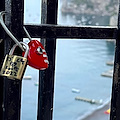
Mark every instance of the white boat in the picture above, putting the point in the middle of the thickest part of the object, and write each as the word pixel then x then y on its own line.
pixel 75 90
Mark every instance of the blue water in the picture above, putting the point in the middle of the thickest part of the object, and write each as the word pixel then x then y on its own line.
pixel 79 64
pixel 29 95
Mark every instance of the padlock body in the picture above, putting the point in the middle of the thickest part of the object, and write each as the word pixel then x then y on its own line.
pixel 36 60
pixel 13 67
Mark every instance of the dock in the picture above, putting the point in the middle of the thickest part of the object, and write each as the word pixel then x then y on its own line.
pixel 108 73
pixel 110 63
pixel 91 101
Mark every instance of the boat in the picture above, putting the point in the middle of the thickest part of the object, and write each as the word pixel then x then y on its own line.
pixel 75 90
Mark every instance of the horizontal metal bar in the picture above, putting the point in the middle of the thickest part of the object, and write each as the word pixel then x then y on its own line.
pixel 76 32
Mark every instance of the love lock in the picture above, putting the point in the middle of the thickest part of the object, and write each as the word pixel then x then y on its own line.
pixel 37 56
pixel 14 65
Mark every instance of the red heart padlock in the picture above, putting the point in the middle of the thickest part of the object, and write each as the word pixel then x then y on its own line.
pixel 37 57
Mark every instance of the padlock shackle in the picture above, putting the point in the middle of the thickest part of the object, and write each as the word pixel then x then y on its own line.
pixel 7 31
pixel 22 43
pixel 28 35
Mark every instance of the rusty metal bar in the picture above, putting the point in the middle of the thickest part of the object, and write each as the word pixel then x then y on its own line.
pixel 56 31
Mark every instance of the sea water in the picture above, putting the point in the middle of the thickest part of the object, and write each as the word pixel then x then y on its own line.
pixel 79 65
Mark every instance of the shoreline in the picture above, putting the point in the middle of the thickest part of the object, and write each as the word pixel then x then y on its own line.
pixel 97 114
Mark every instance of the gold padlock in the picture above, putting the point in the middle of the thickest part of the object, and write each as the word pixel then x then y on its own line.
pixel 14 66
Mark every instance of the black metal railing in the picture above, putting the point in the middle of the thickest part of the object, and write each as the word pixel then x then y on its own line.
pixel 10 91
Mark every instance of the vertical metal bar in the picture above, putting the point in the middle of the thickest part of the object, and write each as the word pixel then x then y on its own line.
pixel 46 78
pixel 12 88
pixel 2 8
pixel 115 101
pixel 1 79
